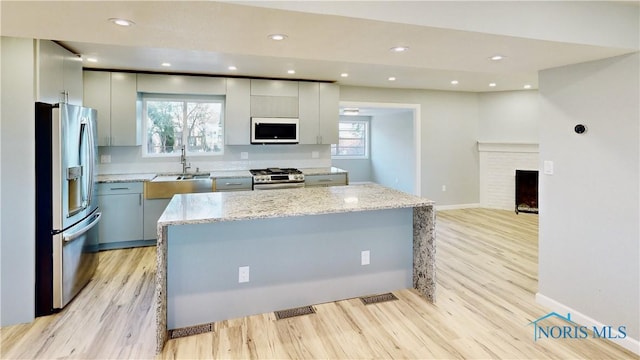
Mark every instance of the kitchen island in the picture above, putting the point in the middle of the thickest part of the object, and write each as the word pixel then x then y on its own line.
pixel 303 247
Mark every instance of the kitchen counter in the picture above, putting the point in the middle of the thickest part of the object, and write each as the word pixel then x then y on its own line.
pixel 303 247
pixel 215 207
pixel 118 178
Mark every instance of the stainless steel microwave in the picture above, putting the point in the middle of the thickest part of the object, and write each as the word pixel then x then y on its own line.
pixel 274 130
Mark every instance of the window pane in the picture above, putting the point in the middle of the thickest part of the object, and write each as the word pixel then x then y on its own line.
pixel 204 127
pixel 352 140
pixel 164 126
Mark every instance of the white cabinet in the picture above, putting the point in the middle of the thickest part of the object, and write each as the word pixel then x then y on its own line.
pixel 58 74
pixel 153 208
pixel 181 84
pixel 114 95
pixel 325 180
pixel 122 213
pixel 274 98
pixel 319 113
pixel 237 117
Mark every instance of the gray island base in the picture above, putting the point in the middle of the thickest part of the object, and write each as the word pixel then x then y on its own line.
pixel 302 247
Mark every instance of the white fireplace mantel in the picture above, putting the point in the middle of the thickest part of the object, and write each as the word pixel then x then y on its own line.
pixel 512 147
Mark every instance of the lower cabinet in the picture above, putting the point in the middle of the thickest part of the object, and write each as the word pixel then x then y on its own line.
pixel 233 184
pixel 153 208
pixel 325 180
pixel 122 213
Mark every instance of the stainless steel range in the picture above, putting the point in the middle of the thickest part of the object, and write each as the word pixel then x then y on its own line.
pixel 277 178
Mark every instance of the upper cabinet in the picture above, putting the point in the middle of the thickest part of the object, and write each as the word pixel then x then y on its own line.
pixel 319 113
pixel 58 74
pixel 237 107
pixel 114 95
pixel 274 98
pixel 181 84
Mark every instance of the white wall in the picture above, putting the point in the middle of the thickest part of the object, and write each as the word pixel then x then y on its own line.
pixel 509 116
pixel 589 250
pixel 17 182
pixel 449 132
pixel 392 154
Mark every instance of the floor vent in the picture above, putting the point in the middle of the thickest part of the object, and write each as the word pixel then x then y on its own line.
pixel 190 330
pixel 304 310
pixel 374 299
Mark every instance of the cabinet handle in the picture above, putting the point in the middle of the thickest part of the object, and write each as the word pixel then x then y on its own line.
pixel 140 199
pixel 120 188
pixel 232 184
pixel 324 180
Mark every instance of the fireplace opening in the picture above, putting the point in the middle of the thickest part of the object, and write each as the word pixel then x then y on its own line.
pixel 527 191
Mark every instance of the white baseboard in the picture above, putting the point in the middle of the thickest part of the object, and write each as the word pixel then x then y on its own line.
pixel 458 206
pixel 582 319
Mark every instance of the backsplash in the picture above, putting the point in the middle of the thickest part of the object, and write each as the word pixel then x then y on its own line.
pixel 129 160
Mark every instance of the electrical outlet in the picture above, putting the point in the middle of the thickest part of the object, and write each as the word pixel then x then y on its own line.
pixel 243 274
pixel 548 167
pixel 105 159
pixel 444 187
pixel 315 154
pixel 365 258
pixel 244 155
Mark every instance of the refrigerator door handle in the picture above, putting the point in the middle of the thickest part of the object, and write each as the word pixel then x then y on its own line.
pixel 92 161
pixel 77 234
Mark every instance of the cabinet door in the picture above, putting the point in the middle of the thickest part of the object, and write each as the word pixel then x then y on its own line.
pixel 97 95
pixel 153 208
pixel 329 113
pixel 309 101
pixel 181 84
pixel 125 127
pixel 325 180
pixel 121 218
pixel 49 74
pixel 72 78
pixel 237 122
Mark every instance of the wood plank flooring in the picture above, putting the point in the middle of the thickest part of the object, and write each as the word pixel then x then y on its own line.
pixel 487 279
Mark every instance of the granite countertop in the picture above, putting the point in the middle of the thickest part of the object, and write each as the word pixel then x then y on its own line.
pixel 323 171
pixel 118 178
pixel 216 207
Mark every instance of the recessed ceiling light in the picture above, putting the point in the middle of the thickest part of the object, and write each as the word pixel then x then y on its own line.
pixel 454 82
pixel 497 57
pixel 232 68
pixel 391 78
pixel 93 60
pixel 277 37
pixel 344 75
pixel 121 22
pixel 492 84
pixel 165 64
pixel 527 86
pixel 399 49
pixel 291 71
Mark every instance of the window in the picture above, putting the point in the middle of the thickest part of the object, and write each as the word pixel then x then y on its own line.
pixel 353 140
pixel 171 121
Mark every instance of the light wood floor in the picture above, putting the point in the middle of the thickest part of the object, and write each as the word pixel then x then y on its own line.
pixel 487 278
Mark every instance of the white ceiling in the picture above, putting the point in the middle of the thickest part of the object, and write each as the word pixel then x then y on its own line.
pixel 206 37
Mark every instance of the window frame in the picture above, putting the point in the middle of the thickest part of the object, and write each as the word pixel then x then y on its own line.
pixel 367 139
pixel 184 98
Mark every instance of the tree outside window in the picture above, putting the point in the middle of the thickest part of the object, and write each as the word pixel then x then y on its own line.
pixel 352 141
pixel 171 122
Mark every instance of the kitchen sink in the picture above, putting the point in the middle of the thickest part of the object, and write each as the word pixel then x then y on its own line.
pixel 165 186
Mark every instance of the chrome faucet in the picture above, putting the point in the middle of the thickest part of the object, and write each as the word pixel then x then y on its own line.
pixel 183 160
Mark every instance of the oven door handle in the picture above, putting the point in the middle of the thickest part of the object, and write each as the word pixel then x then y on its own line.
pixel 278 186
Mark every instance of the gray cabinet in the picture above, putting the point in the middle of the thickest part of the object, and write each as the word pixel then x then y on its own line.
pixel 274 98
pixel 233 184
pixel 319 113
pixel 325 180
pixel 153 208
pixel 122 212
pixel 58 74
pixel 237 107
pixel 114 95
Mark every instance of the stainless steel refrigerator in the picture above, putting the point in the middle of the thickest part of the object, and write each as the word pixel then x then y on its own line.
pixel 67 212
